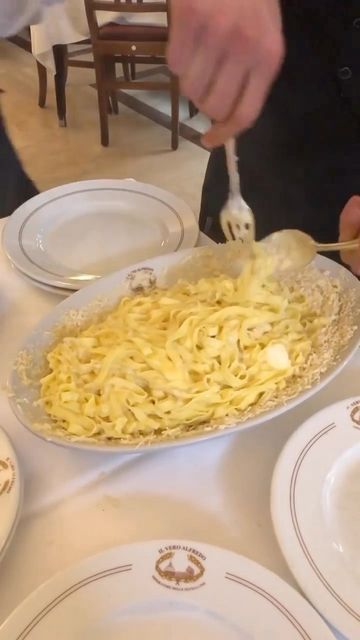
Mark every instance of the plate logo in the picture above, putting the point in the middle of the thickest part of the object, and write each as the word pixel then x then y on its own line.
pixel 7 475
pixel 355 413
pixel 180 568
pixel 141 280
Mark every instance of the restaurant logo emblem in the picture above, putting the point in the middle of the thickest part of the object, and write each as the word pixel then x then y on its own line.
pixel 180 568
pixel 354 411
pixel 355 415
pixel 141 280
pixel 7 475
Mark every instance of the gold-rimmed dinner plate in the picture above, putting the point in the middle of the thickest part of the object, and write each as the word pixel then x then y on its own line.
pixel 165 589
pixel 95 227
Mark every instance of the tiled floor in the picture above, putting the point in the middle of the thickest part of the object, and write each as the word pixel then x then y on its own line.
pixel 139 147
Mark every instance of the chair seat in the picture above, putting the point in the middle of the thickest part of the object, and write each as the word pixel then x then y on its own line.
pixel 132 32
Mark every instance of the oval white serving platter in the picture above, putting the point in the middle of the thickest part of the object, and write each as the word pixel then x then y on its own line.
pixel 110 289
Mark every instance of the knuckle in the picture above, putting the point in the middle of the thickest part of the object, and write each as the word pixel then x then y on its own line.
pixel 242 42
pixel 273 51
pixel 217 32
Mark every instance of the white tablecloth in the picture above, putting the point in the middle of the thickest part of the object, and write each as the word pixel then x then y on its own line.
pixel 66 22
pixel 77 504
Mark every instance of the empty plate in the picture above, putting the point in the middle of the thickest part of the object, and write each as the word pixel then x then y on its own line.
pixel 10 492
pixel 316 512
pixel 95 227
pixel 166 590
pixel 57 291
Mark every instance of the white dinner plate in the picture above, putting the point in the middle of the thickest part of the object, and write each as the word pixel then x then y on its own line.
pixel 316 512
pixel 165 590
pixel 10 492
pixel 95 227
pixel 108 291
pixel 57 291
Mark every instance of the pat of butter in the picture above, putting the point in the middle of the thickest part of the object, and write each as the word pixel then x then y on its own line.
pixel 277 356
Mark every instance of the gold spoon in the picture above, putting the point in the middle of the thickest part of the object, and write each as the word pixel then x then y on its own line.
pixel 295 249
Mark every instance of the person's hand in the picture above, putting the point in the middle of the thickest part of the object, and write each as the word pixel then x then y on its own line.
pixel 349 230
pixel 226 54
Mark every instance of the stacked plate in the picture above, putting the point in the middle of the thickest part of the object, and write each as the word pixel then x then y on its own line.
pixel 68 236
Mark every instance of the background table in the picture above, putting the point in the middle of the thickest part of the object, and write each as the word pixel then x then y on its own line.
pixel 66 22
pixel 79 503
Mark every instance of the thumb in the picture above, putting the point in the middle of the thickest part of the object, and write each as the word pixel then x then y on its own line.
pixel 349 230
pixel 350 220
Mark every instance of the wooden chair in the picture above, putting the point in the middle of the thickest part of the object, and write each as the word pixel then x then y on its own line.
pixel 129 43
pixel 63 59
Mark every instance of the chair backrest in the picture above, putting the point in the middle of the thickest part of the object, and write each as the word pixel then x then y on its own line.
pixel 121 6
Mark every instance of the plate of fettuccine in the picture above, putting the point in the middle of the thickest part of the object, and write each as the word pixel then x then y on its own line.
pixel 184 347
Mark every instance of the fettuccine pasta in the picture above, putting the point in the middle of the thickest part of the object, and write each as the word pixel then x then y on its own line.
pixel 168 361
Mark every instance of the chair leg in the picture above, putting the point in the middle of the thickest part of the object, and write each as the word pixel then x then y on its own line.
pixel 61 68
pixel 126 72
pixel 175 108
pixel 103 99
pixel 42 76
pixel 193 111
pixel 111 72
pixel 114 102
pixel 133 70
